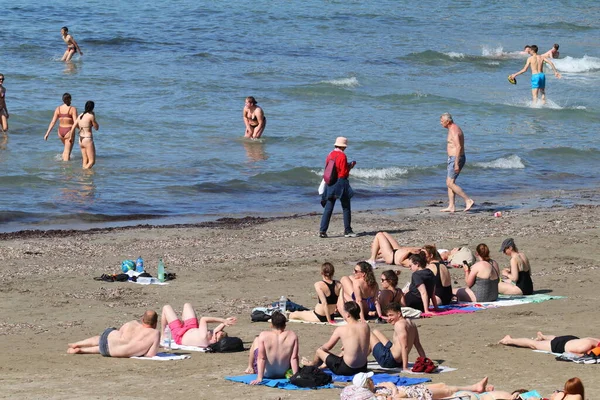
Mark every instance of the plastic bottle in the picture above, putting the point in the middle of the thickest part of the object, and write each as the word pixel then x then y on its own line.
pixel 168 336
pixel 161 270
pixel 282 304
pixel 139 265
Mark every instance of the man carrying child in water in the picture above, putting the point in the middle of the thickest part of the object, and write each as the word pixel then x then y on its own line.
pixel 538 78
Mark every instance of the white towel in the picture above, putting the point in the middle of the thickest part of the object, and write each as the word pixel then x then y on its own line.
pixel 164 357
pixel 175 346
pixel 440 368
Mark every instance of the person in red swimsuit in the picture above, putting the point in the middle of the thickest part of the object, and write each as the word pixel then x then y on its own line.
pixel 66 115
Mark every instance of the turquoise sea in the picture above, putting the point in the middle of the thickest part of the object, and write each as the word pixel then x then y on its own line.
pixel 169 81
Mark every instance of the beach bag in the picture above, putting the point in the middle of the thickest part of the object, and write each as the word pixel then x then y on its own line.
pixel 330 175
pixel 464 254
pixel 228 344
pixel 310 377
pixel 260 316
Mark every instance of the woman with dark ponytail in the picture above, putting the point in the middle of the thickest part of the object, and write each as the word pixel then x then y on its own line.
pixel 65 115
pixel 85 122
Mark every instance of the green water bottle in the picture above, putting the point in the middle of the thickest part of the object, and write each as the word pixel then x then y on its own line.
pixel 161 270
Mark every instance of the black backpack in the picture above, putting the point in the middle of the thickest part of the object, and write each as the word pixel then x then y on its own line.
pixel 259 316
pixel 228 344
pixel 310 377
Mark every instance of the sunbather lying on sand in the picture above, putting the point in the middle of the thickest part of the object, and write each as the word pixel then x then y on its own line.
pixel 555 344
pixel 132 339
pixel 387 249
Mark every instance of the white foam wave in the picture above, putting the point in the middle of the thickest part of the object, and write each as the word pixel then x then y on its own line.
pixel 576 65
pixel 344 82
pixel 510 162
pixel 373 173
pixel 498 52
pixel 453 54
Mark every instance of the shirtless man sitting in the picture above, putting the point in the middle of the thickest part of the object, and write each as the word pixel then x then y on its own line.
pixel 555 344
pixel 394 354
pixel 188 331
pixel 273 352
pixel 355 343
pixel 133 339
pixel 538 78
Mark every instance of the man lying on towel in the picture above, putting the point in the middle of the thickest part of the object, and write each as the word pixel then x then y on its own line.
pixel 273 352
pixel 555 344
pixel 189 331
pixel 355 342
pixel 133 339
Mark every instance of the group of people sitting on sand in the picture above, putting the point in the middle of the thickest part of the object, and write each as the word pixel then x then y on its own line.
pixel 357 298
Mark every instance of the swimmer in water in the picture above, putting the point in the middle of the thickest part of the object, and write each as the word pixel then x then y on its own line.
pixel 72 46
pixel 254 119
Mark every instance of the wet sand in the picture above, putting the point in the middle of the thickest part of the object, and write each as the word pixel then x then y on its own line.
pixel 49 298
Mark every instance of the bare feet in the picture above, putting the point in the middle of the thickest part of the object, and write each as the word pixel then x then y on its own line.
pixel 72 345
pixel 249 370
pixel 540 337
pixel 480 386
pixel 74 350
pixel 505 340
pixel 449 209
pixel 470 204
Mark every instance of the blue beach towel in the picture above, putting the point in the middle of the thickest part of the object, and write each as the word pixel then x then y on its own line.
pixel 274 383
pixel 378 378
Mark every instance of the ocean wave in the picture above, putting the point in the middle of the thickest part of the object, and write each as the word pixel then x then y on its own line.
pixel 343 82
pixel 510 162
pixel 453 54
pixel 498 52
pixel 550 104
pixel 577 65
pixel 373 173
pixel 115 41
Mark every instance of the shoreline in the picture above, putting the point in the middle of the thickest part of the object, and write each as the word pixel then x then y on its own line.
pixel 503 203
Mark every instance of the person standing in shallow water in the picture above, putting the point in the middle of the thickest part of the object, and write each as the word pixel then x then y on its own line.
pixel 72 46
pixel 456 162
pixel 85 122
pixel 3 109
pixel 66 115
pixel 254 119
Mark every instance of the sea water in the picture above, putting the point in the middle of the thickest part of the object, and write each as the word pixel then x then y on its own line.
pixel 169 81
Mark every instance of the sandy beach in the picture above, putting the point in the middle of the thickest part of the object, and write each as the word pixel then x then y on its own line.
pixel 49 298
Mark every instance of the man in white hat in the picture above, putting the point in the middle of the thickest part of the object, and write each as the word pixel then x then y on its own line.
pixel 338 189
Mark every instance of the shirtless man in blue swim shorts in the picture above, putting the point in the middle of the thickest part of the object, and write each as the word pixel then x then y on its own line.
pixel 456 162
pixel 538 78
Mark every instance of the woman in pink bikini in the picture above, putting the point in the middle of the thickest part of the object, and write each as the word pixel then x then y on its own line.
pixel 66 115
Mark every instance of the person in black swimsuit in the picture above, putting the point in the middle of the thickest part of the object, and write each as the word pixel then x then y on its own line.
pixel 328 291
pixel 389 292
pixel 518 276
pixel 443 292
pixel 555 344
pixel 254 119
pixel 422 285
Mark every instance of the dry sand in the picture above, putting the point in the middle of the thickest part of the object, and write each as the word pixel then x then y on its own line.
pixel 48 298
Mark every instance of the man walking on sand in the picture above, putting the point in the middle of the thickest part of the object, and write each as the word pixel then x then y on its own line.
pixel 355 343
pixel 538 78
pixel 273 352
pixel 133 339
pixel 394 354
pixel 456 162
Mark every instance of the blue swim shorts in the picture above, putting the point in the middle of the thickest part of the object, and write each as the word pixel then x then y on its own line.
pixel 461 163
pixel 538 81
pixel 104 350
pixel 383 355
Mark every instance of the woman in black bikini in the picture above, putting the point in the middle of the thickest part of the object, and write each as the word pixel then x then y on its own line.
pixel 85 122
pixel 328 291
pixel 443 280
pixel 386 248
pixel 389 292
pixel 66 115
